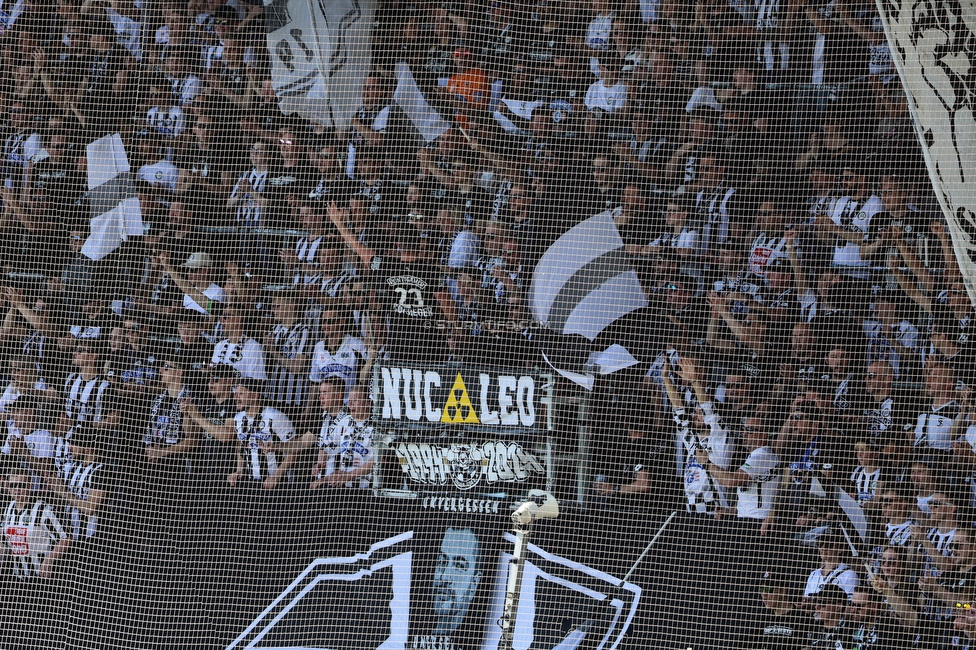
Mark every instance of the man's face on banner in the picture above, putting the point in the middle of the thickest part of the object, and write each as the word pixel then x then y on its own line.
pixel 456 578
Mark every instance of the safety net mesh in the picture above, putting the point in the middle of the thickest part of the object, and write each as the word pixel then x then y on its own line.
pixel 539 324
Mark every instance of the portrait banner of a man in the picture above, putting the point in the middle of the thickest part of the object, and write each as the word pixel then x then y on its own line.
pixel 453 571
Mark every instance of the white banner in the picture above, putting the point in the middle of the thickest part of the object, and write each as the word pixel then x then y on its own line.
pixel 931 42
pixel 320 53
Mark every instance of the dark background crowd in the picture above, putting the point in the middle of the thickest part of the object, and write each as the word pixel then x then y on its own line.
pixel 805 358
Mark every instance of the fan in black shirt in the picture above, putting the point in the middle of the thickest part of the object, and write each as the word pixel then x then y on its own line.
pixel 870 627
pixel 842 391
pixel 96 322
pixel 194 351
pixel 264 119
pixel 472 201
pixel 330 183
pixel 209 158
pixel 816 456
pixel 833 629
pixel 604 189
pixel 782 625
pixel 54 174
pixel 217 406
pixel 630 473
pixel 564 85
pixel 414 291
pixel 952 336
pixel 545 33
pixel 106 66
pixel 498 35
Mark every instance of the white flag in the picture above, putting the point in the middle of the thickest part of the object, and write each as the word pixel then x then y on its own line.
pixel 115 210
pixel 409 98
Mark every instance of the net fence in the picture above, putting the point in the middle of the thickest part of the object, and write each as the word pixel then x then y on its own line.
pixel 543 325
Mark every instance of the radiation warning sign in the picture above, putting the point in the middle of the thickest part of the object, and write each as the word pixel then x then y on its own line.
pixel 458 408
pixel 452 397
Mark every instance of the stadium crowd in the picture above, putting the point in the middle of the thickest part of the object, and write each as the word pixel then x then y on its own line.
pixel 806 353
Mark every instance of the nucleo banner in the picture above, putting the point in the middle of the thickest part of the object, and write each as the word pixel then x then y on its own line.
pixel 462 440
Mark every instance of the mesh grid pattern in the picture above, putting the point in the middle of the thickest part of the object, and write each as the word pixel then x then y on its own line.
pixel 314 311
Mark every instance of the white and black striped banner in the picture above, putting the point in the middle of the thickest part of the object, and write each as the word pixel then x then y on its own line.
pixel 585 281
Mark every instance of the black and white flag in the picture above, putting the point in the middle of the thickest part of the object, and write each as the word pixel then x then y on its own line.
pixel 115 211
pixel 585 281
pixel 320 54
pixel 932 44
pixel 583 284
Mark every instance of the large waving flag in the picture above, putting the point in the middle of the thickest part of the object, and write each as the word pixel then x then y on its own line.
pixel 583 284
pixel 931 43
pixel 115 211
pixel 320 54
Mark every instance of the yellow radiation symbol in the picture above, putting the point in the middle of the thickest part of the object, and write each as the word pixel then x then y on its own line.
pixel 458 408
